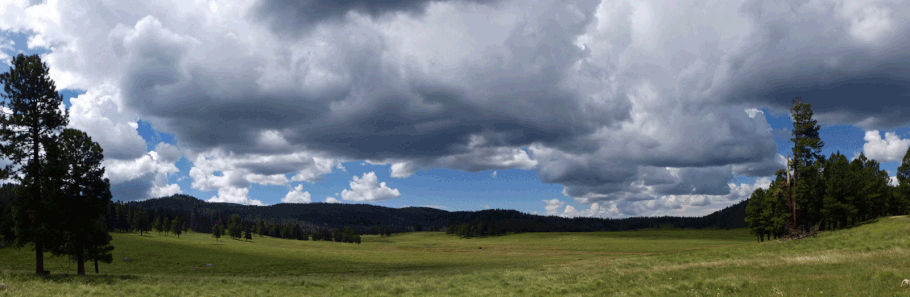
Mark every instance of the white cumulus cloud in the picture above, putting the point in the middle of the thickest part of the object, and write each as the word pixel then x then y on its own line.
pixel 297 195
pixel 234 195
pixel 368 188
pixel 888 149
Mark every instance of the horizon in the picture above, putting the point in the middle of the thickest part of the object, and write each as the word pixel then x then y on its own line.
pixel 426 207
pixel 586 109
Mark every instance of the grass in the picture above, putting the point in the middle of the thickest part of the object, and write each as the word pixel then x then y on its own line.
pixel 869 260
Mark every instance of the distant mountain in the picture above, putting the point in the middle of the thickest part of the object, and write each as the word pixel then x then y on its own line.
pixel 320 215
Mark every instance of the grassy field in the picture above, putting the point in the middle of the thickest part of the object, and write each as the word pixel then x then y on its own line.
pixel 870 260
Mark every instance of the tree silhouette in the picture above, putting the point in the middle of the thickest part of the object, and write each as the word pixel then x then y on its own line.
pixel 217 231
pixel 32 119
pixel 85 192
pixel 177 227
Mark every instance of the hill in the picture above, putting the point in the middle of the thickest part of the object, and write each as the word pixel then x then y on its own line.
pixel 423 218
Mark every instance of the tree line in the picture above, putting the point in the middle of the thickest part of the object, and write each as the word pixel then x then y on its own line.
pixel 59 197
pixel 819 193
pixel 125 217
pixel 477 228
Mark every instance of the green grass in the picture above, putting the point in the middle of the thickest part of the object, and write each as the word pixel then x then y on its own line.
pixel 869 260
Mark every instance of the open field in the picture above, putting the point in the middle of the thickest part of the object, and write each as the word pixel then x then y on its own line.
pixel 870 260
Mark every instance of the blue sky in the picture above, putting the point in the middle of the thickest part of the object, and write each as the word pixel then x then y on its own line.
pixel 588 108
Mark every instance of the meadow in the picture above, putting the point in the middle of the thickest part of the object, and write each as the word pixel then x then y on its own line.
pixel 868 260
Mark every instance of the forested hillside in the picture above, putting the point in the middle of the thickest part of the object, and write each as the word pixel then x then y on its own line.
pixel 325 215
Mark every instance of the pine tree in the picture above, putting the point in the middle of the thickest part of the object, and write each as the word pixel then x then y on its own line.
pixel 754 207
pixel 98 246
pixel 807 147
pixel 177 227
pixel 85 191
pixel 31 121
pixel 217 231
pixel 776 210
pixel 875 190
pixel 838 204
pixel 158 225
pixel 902 192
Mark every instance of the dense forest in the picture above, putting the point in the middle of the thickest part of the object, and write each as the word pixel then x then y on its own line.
pixel 819 193
pixel 372 219
pixel 346 222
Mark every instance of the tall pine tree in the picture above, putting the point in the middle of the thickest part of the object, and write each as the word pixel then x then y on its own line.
pixel 31 119
pixel 85 193
pixel 807 146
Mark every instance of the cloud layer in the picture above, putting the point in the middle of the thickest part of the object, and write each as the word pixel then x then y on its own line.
pixel 634 107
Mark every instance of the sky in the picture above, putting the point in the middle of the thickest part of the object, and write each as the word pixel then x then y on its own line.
pixel 572 108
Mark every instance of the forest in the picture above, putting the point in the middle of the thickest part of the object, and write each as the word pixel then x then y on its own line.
pixel 817 193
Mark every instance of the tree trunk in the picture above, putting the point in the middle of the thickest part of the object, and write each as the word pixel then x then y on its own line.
pixel 80 259
pixel 96 266
pixel 39 257
pixel 39 245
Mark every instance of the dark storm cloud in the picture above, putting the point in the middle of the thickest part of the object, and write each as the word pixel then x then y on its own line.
pixel 297 17
pixel 371 113
pixel 848 60
pixel 629 102
pixel 136 189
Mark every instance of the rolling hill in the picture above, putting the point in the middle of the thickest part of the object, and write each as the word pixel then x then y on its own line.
pixel 419 218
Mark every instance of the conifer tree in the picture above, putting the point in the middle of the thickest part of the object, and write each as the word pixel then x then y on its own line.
pixel 177 226
pixel 807 147
pixel 754 209
pixel 217 231
pixel 85 193
pixel 32 119
pixel 902 192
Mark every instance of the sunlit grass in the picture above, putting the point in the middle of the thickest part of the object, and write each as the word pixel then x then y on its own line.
pixel 869 260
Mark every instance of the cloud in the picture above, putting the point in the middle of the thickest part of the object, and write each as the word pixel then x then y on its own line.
pixel 165 191
pixel 764 167
pixel 297 195
pixel 293 18
pixel 674 205
pixel 216 169
pixel 860 41
pixel 143 177
pixel 752 112
pixel 888 149
pixel 6 48
pixel 332 200
pixel 553 205
pixel 234 195
pixel 368 188
pixel 493 175
pixel 597 96
pixel 473 161
pixel 101 115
